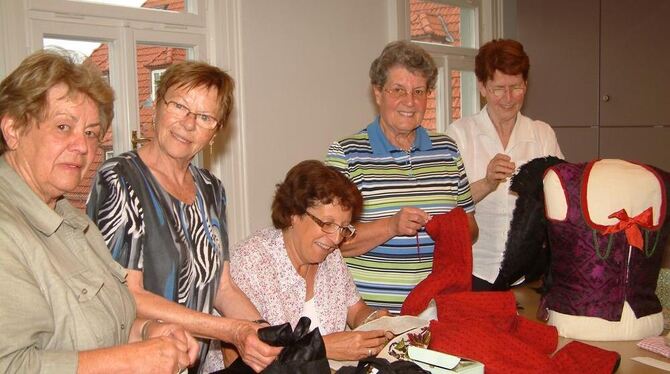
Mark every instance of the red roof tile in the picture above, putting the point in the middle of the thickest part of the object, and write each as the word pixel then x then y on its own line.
pixel 428 20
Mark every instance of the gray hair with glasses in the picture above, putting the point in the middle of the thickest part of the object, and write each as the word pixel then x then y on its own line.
pixel 405 54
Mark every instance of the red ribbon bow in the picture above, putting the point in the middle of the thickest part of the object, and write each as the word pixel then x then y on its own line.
pixel 631 225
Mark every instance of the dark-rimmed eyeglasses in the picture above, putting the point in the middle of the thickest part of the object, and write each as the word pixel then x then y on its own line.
pixel 332 227
pixel 181 111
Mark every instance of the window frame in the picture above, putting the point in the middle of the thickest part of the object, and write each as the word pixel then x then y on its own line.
pixel 488 15
pixel 193 16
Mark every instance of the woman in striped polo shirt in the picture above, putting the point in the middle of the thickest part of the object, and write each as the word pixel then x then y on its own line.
pixel 405 174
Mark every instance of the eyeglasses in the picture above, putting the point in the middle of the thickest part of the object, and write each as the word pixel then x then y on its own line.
pixel 181 111
pixel 332 227
pixel 400 92
pixel 500 91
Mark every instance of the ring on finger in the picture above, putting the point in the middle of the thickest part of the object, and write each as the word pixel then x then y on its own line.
pixel 369 352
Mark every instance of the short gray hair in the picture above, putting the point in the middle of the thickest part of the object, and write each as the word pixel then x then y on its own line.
pixel 405 54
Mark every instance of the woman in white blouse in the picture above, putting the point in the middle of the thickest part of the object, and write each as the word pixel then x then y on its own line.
pixel 493 143
pixel 295 269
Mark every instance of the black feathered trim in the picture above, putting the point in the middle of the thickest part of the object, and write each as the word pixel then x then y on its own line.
pixel 527 252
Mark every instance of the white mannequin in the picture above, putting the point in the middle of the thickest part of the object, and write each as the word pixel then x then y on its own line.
pixel 612 185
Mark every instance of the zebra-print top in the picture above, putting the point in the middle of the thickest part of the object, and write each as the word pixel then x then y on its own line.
pixel 181 248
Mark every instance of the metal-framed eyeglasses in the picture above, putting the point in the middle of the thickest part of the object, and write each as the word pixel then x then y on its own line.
pixel 332 227
pixel 181 111
pixel 399 92
pixel 514 90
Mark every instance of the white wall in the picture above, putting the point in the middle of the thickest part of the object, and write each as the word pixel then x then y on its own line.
pixel 302 75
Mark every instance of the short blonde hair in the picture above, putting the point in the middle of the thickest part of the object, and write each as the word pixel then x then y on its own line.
pixel 23 93
pixel 192 74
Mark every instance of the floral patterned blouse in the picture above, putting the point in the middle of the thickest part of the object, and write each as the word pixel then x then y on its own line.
pixel 261 267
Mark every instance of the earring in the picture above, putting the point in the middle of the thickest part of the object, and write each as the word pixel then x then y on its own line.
pixel 211 143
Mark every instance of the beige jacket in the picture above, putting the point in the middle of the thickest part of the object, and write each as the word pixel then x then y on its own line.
pixel 60 290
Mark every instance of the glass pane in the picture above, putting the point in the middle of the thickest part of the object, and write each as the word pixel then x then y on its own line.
pixel 435 22
pixel 167 5
pixel 99 54
pixel 464 94
pixel 152 60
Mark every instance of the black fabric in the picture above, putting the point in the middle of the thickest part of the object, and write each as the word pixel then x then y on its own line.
pixel 237 367
pixel 383 366
pixel 527 252
pixel 480 285
pixel 304 351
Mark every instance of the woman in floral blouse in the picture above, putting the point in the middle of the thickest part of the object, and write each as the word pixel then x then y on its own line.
pixel 295 269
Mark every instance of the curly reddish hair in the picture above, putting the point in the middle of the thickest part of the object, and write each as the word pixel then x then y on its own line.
pixel 311 183
pixel 504 55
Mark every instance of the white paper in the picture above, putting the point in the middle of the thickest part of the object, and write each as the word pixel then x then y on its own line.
pixel 653 362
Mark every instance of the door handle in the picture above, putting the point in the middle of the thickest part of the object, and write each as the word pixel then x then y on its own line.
pixel 137 140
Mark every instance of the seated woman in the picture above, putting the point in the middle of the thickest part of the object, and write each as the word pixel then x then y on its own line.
pixel 295 269
pixel 65 306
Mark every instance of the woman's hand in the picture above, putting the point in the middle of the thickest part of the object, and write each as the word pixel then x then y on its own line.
pixel 161 355
pixel 355 345
pixel 371 316
pixel 253 351
pixel 499 169
pixel 407 221
pixel 156 329
pixel 164 354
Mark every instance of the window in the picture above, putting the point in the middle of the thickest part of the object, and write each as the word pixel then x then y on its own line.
pixel 152 60
pixel 155 78
pixel 170 6
pixel 132 47
pixel 171 12
pixel 98 53
pixel 451 31
pixel 442 23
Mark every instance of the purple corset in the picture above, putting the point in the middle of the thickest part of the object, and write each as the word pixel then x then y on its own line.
pixel 590 271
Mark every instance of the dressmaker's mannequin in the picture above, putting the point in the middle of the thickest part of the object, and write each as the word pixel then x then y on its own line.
pixel 602 287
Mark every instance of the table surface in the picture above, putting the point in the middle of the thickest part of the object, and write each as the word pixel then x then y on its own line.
pixel 529 300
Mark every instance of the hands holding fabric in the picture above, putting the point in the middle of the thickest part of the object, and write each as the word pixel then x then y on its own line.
pixel 499 169
pixel 407 221
pixel 253 351
pixel 355 345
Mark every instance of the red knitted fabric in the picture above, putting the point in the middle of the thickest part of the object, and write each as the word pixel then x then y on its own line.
pixel 578 357
pixel 451 261
pixel 498 308
pixel 481 340
pixel 484 326
pixel 513 344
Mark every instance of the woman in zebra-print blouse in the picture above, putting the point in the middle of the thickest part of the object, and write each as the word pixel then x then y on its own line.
pixel 164 219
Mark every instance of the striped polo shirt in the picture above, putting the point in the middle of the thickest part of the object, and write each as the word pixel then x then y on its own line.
pixel 431 176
